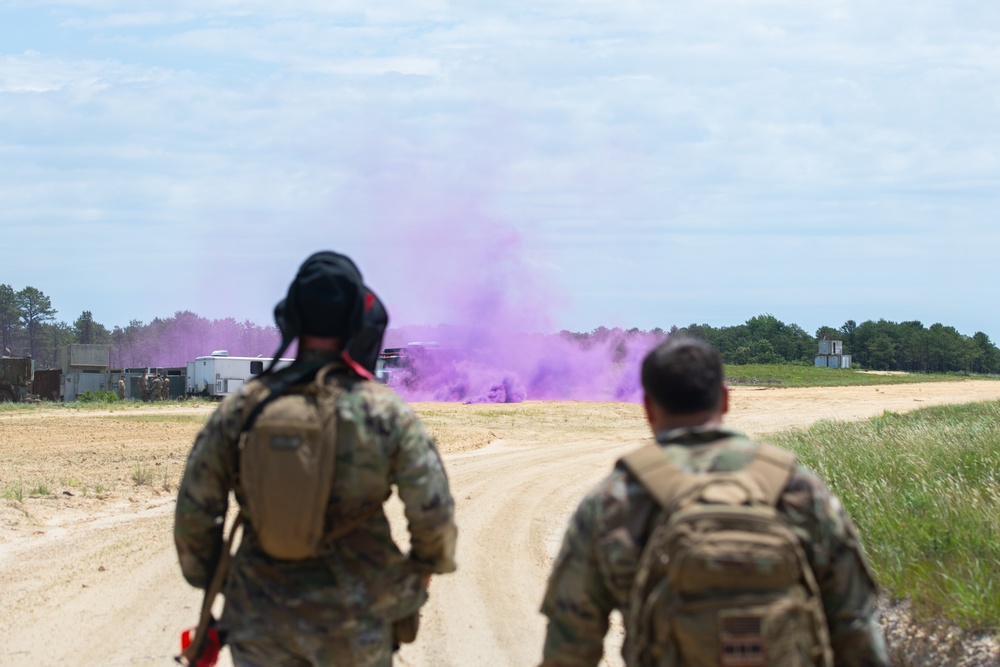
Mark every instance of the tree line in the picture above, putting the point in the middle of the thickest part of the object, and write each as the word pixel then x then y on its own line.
pixel 28 327
pixel 874 345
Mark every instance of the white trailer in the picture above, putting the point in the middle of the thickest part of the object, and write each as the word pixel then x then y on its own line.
pixel 219 375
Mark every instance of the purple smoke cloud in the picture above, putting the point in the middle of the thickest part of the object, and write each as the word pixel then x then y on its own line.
pixel 497 347
pixel 601 366
pixel 467 283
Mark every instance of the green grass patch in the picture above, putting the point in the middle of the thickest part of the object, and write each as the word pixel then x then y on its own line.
pixel 924 491
pixel 14 491
pixel 787 375
pixel 98 396
pixel 41 489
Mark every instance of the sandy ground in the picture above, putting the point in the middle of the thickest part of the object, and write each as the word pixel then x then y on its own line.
pixel 88 573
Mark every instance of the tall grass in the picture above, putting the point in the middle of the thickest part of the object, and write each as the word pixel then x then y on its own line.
pixel 924 491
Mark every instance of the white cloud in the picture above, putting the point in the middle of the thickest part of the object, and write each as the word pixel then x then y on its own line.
pixel 599 129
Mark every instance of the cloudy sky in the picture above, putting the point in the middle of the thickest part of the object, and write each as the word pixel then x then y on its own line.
pixel 589 162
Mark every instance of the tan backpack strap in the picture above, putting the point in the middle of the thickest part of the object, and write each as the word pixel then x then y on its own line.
pixel 326 370
pixel 259 394
pixel 771 468
pixel 657 473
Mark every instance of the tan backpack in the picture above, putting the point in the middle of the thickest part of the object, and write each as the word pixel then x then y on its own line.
pixel 288 452
pixel 723 581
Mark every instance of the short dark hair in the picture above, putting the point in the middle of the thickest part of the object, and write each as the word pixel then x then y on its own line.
pixel 683 375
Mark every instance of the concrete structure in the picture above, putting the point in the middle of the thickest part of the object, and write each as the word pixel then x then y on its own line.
pixel 84 368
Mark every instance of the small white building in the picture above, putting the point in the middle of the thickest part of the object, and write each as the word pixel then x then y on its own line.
pixel 218 375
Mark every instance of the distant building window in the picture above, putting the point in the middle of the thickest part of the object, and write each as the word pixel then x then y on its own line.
pixel 256 367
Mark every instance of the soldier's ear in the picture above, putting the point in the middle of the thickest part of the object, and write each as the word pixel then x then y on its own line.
pixel 724 400
pixel 650 408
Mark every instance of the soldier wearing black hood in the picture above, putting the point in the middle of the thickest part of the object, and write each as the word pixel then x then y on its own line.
pixel 341 607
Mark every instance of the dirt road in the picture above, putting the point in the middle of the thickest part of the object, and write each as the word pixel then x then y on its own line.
pixel 88 574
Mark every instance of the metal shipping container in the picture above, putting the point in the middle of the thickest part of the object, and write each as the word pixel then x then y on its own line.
pixel 74 384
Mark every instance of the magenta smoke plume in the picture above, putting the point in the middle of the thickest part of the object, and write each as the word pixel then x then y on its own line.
pixel 603 366
pixel 475 275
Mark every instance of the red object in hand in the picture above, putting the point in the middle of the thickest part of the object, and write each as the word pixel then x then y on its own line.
pixel 209 650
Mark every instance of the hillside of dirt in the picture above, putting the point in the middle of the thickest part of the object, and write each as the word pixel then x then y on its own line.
pixel 88 573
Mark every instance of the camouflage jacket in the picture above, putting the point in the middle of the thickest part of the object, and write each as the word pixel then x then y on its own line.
pixel 363 574
pixel 597 564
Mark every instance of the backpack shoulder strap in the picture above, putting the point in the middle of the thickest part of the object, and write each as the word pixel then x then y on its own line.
pixel 657 473
pixel 771 468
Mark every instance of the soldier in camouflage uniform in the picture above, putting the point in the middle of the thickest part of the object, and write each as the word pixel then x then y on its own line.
pixel 121 388
pixel 157 392
pixel 340 608
pixel 144 387
pixel 685 400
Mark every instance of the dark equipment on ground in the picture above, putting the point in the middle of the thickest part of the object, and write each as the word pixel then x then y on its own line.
pixel 16 375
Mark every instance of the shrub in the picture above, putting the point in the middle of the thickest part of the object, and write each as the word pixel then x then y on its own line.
pixel 142 475
pixel 98 396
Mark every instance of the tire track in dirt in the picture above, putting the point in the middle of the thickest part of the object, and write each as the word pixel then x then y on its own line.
pixel 106 592
pixel 513 502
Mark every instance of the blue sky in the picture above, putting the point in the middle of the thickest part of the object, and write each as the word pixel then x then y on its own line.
pixel 602 163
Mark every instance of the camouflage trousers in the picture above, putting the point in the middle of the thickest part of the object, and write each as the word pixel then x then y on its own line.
pixel 364 647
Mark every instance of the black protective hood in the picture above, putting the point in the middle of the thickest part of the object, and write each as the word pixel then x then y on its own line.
pixel 365 346
pixel 326 298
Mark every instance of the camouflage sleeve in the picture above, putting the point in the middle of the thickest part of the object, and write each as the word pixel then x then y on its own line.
pixel 423 487
pixel 203 496
pixel 845 581
pixel 577 601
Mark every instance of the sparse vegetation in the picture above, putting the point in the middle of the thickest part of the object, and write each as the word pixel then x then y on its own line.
pixel 924 490
pixel 41 489
pixel 166 484
pixel 98 396
pixel 14 491
pixel 6 406
pixel 161 417
pixel 142 474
